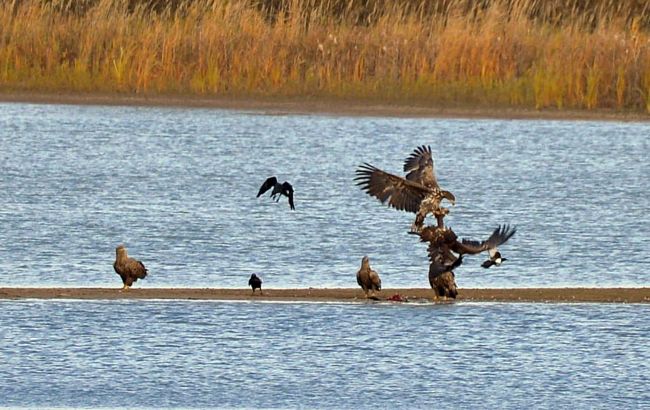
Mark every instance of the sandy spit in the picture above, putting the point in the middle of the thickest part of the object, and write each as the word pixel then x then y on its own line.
pixel 321 106
pixel 542 295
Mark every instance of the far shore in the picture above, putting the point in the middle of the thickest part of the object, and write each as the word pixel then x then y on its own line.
pixel 318 106
pixel 406 295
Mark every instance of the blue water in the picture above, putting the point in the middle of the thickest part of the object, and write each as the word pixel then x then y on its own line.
pixel 215 354
pixel 178 186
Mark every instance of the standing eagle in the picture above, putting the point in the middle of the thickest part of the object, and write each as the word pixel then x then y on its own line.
pixel 368 279
pixel 129 269
pixel 418 192
pixel 443 243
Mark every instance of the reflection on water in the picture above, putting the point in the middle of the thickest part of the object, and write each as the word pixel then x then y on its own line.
pixel 178 187
pixel 215 354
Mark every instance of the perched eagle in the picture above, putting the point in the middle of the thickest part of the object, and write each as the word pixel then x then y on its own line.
pixel 279 189
pixel 255 283
pixel 368 279
pixel 443 243
pixel 129 269
pixel 418 192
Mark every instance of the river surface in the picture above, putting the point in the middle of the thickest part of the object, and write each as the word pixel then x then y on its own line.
pixel 162 354
pixel 178 186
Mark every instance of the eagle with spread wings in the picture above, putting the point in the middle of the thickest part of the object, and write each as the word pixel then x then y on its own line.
pixel 417 192
pixel 443 243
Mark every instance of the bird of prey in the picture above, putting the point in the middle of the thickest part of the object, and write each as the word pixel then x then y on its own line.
pixel 279 189
pixel 418 192
pixel 129 269
pixel 255 283
pixel 368 279
pixel 491 243
pixel 443 243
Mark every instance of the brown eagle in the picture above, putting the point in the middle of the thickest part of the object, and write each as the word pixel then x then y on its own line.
pixel 129 269
pixel 368 279
pixel 418 192
pixel 443 243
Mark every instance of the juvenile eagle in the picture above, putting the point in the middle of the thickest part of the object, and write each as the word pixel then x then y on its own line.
pixel 255 283
pixel 129 269
pixel 279 189
pixel 418 192
pixel 443 243
pixel 368 279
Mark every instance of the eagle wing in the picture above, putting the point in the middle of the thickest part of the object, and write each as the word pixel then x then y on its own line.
pixel 400 193
pixel 375 281
pixel 500 236
pixel 419 167
pixel 268 184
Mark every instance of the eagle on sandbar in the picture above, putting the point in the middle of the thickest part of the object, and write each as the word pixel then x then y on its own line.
pixel 368 279
pixel 129 269
pixel 417 192
pixel 443 243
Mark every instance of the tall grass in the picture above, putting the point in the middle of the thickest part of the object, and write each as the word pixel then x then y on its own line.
pixel 520 53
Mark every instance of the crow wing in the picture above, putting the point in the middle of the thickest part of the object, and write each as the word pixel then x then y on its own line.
pixel 500 236
pixel 287 190
pixel 268 184
pixel 400 193
pixel 419 166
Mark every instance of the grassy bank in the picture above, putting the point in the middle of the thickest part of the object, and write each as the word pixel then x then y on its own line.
pixel 510 53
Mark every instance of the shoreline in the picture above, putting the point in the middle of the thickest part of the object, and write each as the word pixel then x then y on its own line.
pixel 318 106
pixel 528 295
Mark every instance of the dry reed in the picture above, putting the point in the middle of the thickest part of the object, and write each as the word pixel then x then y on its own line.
pixel 495 55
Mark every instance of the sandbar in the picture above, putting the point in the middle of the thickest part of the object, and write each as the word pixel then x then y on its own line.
pixel 529 295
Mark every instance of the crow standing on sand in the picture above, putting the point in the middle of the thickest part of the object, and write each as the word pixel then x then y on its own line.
pixel 279 189
pixel 255 283
pixel 368 279
pixel 129 269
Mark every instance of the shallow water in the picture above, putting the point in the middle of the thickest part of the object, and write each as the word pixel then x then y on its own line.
pixel 215 354
pixel 178 187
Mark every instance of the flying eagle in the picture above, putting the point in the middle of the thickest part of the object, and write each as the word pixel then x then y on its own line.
pixel 255 283
pixel 418 192
pixel 279 189
pixel 368 279
pixel 443 243
pixel 129 269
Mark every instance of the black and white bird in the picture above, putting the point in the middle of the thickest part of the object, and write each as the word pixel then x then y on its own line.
pixel 279 189
pixel 501 234
pixel 495 258
pixel 255 283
